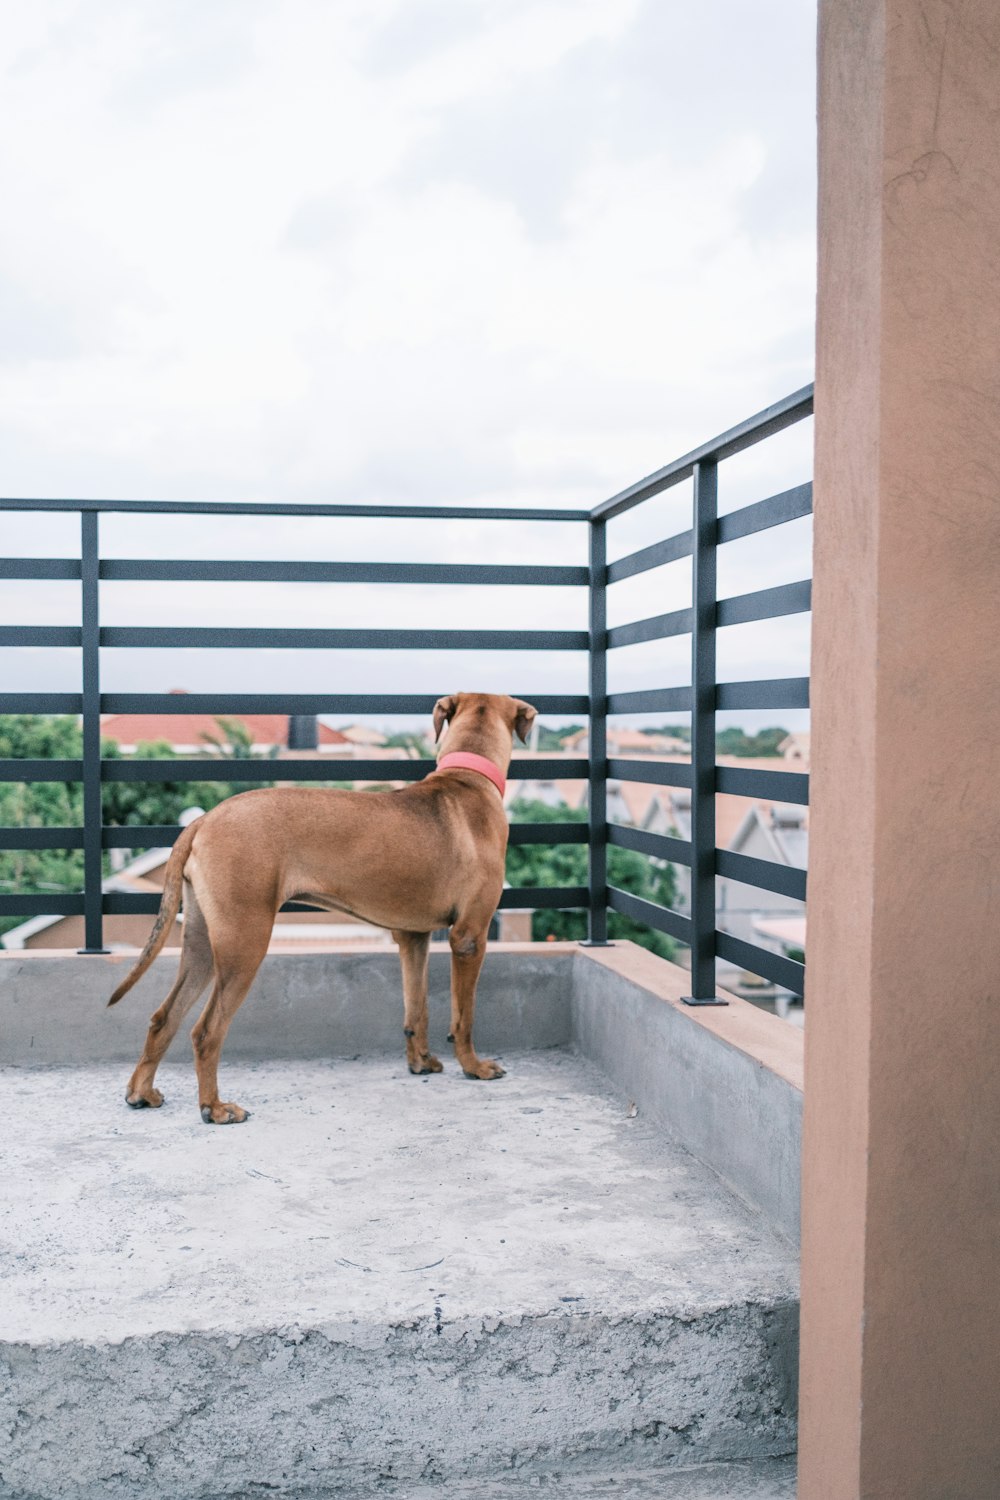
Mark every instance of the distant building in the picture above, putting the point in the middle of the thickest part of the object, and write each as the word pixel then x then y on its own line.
pixel 193 734
pixel 795 749
pixel 624 742
pixel 361 734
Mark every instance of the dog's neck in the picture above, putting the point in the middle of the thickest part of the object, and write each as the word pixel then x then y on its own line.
pixel 465 760
pixel 466 744
pixel 492 741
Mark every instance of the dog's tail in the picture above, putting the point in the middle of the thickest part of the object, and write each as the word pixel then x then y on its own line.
pixel 170 905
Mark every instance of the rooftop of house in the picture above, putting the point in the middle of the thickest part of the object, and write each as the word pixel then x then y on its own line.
pixel 359 734
pixel 196 731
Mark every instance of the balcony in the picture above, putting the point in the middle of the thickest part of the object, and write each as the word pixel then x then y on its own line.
pixel 586 1273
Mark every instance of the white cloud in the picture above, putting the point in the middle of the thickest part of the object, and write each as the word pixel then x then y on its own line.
pixel 398 250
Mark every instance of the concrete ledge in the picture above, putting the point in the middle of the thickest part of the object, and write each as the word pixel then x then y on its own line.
pixel 726 1083
pixel 563 1388
pixel 53 1005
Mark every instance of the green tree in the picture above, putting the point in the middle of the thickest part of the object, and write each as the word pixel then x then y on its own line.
pixel 407 740
pixel 552 739
pixel 58 804
pixel 132 804
pixel 40 804
pixel 735 741
pixel 566 864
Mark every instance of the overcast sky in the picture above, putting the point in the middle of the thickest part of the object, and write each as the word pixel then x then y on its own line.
pixel 468 251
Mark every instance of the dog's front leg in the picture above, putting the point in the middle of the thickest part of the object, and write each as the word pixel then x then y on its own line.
pixel 413 951
pixel 468 949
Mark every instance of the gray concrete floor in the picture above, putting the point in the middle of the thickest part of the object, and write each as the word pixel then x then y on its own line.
pixel 380 1285
pixel 356 1192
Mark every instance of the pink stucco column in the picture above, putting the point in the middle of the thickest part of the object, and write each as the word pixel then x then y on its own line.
pixel 901 1178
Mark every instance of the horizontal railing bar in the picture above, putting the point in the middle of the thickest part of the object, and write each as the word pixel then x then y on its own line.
pixel 543 896
pixel 41 770
pixel 41 838
pixel 548 833
pixel 41 703
pixel 115 570
pixel 40 635
pixel 41 905
pixel 763 874
pixel 266 509
pixel 651 701
pixel 141 903
pixel 765 604
pixel 329 768
pixel 764 424
pixel 650 913
pixel 772 786
pixel 790 505
pixel 656 628
pixel 136 903
pixel 659 845
pixel 40 567
pixel 656 556
pixel 253 639
pixel 773 966
pixel 772 692
pixel 651 772
pixel 139 835
pixel 162 835
pixel 311 703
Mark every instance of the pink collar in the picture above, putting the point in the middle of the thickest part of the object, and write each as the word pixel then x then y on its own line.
pixel 464 760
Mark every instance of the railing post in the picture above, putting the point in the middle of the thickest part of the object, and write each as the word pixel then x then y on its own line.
pixel 93 817
pixel 703 612
pixel 598 738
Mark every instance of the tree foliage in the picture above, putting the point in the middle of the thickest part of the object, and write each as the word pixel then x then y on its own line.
pixel 59 804
pixel 736 741
pixel 566 864
pixel 40 804
pixel 408 740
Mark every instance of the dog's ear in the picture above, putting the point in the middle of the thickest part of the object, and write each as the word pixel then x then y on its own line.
pixel 524 719
pixel 444 709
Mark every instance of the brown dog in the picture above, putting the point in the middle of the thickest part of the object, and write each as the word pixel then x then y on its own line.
pixel 426 857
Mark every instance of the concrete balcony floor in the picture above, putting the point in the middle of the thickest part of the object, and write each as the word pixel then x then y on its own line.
pixel 381 1284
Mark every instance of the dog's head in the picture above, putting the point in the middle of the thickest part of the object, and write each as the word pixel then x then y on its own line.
pixel 483 712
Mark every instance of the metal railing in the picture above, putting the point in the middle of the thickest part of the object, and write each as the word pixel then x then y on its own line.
pixel 702 698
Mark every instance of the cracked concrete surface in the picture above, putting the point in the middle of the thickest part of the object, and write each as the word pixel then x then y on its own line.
pixel 378 1280
pixel 761 1479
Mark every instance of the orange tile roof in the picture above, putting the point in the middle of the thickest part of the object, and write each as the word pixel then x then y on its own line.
pixel 189 729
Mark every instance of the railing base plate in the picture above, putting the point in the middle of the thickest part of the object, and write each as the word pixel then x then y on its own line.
pixel 587 943
pixel 93 952
pixel 690 1000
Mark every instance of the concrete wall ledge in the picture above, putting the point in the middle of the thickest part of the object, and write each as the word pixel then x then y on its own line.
pixel 308 1004
pixel 725 1083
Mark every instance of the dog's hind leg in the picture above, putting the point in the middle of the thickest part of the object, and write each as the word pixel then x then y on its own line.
pixel 236 963
pixel 193 975
pixel 413 953
pixel 468 949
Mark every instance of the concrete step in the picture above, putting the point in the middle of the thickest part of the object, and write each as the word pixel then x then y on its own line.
pixel 760 1479
pixel 378 1280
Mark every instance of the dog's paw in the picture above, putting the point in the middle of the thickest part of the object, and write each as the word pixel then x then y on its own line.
pixel 484 1068
pixel 426 1064
pixel 151 1099
pixel 224 1114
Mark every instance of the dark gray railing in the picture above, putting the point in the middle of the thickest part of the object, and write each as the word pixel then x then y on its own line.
pixel 702 699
